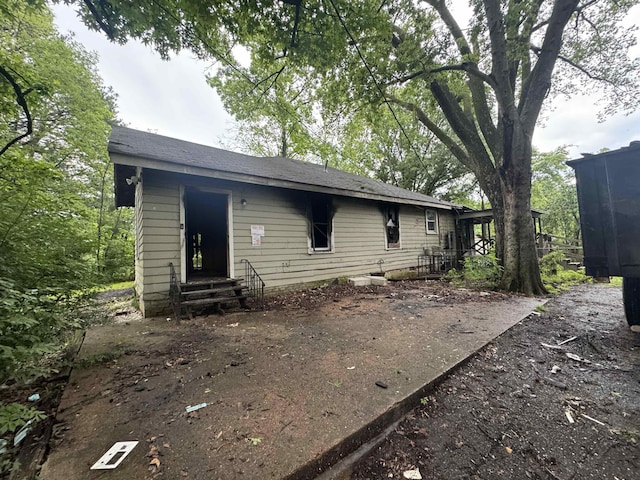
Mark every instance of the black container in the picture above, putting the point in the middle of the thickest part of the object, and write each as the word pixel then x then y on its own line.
pixel 609 201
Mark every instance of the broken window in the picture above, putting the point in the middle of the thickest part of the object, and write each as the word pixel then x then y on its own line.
pixel 320 219
pixel 392 226
pixel 432 221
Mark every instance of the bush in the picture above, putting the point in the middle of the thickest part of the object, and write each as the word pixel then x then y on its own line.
pixel 32 328
pixel 555 277
pixel 15 415
pixel 481 272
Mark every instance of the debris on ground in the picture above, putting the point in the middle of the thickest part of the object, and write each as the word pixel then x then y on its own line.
pixel 114 456
pixel 497 417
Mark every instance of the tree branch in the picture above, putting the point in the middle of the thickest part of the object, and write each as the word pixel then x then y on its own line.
pixel 275 75
pixel 423 118
pixel 104 26
pixel 537 85
pixel 499 59
pixel 22 101
pixel 465 128
pixel 452 25
pixel 478 93
pixel 537 50
pixel 468 67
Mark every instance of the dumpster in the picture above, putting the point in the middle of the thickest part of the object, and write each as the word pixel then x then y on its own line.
pixel 609 202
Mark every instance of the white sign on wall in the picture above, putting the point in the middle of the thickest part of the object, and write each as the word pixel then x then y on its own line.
pixel 257 232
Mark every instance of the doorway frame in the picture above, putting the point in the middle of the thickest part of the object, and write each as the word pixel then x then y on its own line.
pixel 183 228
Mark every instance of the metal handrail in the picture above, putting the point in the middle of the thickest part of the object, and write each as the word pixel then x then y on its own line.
pixel 253 282
pixel 174 292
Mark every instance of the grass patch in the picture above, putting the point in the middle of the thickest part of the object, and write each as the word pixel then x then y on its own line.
pixel 114 286
pixel 615 282
pixel 480 272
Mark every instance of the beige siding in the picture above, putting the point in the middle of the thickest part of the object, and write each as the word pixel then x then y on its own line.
pixel 139 241
pixel 283 259
pixel 159 211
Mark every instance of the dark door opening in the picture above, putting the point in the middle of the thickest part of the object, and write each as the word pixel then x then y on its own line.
pixel 206 233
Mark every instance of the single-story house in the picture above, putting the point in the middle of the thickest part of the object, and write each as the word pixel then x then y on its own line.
pixel 208 211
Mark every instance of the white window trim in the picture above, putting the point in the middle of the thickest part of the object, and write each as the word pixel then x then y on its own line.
pixel 321 251
pixel 426 222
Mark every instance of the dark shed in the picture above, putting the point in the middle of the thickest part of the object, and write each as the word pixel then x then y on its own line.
pixel 609 201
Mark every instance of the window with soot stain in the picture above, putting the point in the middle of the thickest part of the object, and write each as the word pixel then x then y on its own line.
pixel 392 226
pixel 320 216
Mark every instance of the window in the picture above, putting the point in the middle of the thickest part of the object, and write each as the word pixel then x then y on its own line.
pixel 432 221
pixel 392 226
pixel 320 219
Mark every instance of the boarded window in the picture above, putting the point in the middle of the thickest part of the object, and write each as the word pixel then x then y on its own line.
pixel 320 217
pixel 432 221
pixel 392 226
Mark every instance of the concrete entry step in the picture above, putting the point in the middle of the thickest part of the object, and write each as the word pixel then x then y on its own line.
pixel 368 280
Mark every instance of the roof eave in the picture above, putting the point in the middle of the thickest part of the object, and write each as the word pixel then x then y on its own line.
pixel 120 158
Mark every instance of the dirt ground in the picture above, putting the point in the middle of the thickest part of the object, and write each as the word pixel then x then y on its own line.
pixel 506 414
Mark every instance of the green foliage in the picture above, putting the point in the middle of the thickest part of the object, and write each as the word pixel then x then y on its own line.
pixel 480 272
pixel 32 326
pixel 15 415
pixel 58 225
pixel 414 159
pixel 615 282
pixel 553 191
pixel 115 286
pixel 555 277
pixel 59 230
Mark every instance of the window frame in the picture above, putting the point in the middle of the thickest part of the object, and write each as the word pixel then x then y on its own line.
pixel 328 204
pixel 392 212
pixel 435 222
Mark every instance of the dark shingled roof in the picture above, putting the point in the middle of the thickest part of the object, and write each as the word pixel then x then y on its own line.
pixel 136 143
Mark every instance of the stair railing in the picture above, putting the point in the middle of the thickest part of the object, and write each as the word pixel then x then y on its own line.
pixel 253 282
pixel 174 292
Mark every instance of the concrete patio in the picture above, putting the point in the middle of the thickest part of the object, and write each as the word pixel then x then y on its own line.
pixel 289 392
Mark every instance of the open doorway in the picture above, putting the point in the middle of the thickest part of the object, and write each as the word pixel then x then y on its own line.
pixel 206 235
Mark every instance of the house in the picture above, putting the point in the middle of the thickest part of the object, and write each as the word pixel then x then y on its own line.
pixel 210 212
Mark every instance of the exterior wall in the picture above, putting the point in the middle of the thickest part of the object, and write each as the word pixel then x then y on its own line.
pixel 283 258
pixel 158 209
pixel 359 237
pixel 139 240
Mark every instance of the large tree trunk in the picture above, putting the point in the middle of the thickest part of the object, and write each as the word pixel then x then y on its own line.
pixel 519 259
pixel 518 244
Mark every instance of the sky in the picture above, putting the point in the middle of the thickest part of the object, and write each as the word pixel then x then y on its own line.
pixel 172 98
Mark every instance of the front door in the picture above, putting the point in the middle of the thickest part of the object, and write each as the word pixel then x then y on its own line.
pixel 206 234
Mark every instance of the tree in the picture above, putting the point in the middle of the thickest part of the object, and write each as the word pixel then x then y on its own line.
pixel 278 115
pixel 411 158
pixel 490 80
pixel 55 176
pixel 274 111
pixel 553 190
pixel 59 230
